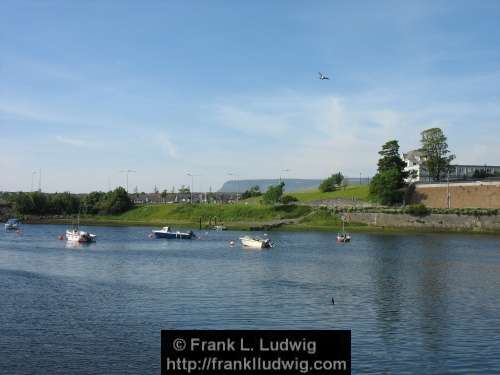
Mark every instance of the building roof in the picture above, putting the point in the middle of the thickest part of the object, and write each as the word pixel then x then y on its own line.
pixel 413 155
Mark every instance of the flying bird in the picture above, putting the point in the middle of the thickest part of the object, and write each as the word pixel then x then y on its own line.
pixel 322 76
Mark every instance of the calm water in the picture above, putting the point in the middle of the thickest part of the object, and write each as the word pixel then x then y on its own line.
pixel 415 303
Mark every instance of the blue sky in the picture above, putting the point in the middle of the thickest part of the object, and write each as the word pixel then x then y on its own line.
pixel 90 88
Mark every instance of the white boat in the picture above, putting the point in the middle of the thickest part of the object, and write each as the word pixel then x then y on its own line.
pixel 343 236
pixel 12 224
pixel 255 242
pixel 76 235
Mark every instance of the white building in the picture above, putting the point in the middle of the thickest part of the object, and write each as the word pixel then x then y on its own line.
pixel 415 165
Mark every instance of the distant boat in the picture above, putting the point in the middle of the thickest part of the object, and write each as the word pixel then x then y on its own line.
pixel 343 236
pixel 12 224
pixel 166 232
pixel 77 235
pixel 255 242
pixel 219 227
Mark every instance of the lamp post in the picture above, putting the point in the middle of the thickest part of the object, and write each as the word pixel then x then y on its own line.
pixel 127 171
pixel 237 184
pixel 192 183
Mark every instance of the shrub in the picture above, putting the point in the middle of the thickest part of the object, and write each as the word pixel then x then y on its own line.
pixel 418 210
pixel 287 199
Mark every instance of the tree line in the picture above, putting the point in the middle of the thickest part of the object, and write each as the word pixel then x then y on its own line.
pixel 389 184
pixel 96 202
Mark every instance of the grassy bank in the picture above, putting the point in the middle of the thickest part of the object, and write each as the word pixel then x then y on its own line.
pixel 234 215
pixel 359 192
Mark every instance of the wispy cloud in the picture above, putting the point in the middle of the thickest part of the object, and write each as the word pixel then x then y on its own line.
pixel 321 134
pixel 164 141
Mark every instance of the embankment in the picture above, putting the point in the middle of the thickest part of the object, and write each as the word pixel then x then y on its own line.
pixel 432 222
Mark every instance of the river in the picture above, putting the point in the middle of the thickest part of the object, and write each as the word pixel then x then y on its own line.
pixel 418 303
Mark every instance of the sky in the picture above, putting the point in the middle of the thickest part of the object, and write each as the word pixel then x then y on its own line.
pixel 91 88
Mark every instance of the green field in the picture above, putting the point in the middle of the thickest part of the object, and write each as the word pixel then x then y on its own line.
pixel 187 214
pixel 359 192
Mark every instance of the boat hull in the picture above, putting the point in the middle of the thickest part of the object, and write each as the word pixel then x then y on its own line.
pixel 173 235
pixel 255 243
pixel 80 236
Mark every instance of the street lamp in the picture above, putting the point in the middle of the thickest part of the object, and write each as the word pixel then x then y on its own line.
pixel 237 184
pixel 192 183
pixel 127 171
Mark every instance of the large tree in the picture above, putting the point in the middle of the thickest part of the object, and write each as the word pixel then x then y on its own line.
pixel 435 153
pixel 331 183
pixel 387 185
pixel 273 193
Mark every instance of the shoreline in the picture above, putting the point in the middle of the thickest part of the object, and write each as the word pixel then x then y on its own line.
pixel 263 226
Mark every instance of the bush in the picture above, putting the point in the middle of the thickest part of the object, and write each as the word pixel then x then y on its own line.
pixel 273 194
pixel 287 199
pixel 418 210
pixel 331 183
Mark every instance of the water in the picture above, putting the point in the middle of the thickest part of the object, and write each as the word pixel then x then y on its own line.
pixel 427 303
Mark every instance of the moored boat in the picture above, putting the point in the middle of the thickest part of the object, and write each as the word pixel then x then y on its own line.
pixel 76 235
pixel 12 224
pixel 255 242
pixel 343 237
pixel 166 232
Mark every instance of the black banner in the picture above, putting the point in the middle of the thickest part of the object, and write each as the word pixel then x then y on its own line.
pixel 255 352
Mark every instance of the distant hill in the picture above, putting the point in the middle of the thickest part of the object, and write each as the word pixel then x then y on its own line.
pixel 291 184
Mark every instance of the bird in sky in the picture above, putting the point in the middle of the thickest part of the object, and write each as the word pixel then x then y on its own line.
pixel 322 76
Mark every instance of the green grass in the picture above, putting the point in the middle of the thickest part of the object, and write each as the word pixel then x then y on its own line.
pixel 191 214
pixel 359 192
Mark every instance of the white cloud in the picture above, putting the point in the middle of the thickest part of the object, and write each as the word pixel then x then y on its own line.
pixel 166 143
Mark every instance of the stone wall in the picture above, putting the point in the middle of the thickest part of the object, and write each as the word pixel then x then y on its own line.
pixel 433 221
pixel 462 195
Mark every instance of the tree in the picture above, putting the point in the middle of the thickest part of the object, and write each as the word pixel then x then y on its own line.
pixel 387 185
pixel 23 203
pixel 331 183
pixel 117 201
pixel 254 191
pixel 184 190
pixel 92 203
pixel 164 194
pixel 273 193
pixel 435 153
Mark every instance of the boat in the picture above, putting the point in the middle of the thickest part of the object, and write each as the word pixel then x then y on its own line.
pixel 343 236
pixel 166 232
pixel 219 227
pixel 255 242
pixel 12 224
pixel 77 235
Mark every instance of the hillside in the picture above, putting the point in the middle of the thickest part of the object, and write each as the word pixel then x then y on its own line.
pixel 358 192
pixel 291 184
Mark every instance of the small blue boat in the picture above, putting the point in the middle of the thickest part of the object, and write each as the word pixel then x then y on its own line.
pixel 166 232
pixel 12 224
